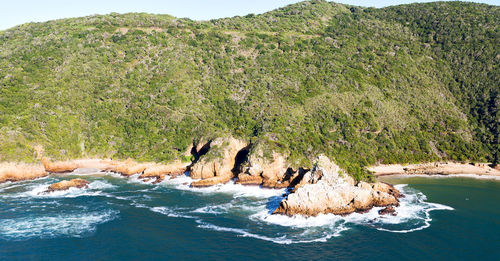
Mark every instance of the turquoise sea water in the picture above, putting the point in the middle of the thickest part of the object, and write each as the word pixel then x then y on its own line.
pixel 125 219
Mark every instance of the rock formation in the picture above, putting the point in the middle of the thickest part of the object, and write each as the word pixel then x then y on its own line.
pixel 272 173
pixel 20 171
pixel 66 184
pixel 389 210
pixel 328 189
pixel 216 166
pixel 58 166
pixel 159 171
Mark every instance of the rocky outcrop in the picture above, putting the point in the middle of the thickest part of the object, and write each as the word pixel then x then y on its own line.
pixel 20 171
pixel 159 171
pixel 128 167
pixel 272 173
pixel 66 184
pixel 58 166
pixel 217 165
pixel 328 189
pixel 436 168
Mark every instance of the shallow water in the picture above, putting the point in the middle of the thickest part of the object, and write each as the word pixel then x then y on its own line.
pixel 117 218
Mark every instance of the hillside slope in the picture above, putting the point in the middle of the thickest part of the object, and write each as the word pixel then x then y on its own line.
pixel 408 83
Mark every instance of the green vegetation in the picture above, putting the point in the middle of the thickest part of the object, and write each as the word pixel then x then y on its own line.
pixel 408 83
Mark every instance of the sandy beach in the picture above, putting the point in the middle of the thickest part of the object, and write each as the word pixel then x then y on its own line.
pixel 436 168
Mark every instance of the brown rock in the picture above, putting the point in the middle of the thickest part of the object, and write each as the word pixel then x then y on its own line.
pixel 328 189
pixel 128 167
pixel 387 211
pixel 159 171
pixel 247 179
pixel 211 181
pixel 58 166
pixel 218 162
pixel 20 171
pixel 66 184
pixel 270 173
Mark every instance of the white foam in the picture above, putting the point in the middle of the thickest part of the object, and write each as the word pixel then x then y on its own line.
pixel 169 212
pixel 74 225
pixel 40 191
pixel 279 240
pixel 237 190
pixel 135 179
pixel 216 209
pixel 413 211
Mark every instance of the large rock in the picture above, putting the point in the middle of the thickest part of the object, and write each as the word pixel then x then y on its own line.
pixel 128 167
pixel 66 184
pixel 58 166
pixel 217 164
pixel 270 173
pixel 159 171
pixel 10 171
pixel 328 189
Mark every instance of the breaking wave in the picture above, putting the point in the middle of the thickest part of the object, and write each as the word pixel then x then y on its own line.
pixel 70 225
pixel 228 208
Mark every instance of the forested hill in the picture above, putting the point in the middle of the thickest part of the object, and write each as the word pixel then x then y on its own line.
pixel 408 83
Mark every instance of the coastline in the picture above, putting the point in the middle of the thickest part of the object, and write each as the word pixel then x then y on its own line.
pixel 437 169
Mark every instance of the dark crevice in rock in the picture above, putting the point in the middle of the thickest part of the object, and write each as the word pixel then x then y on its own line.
pixel 298 177
pixel 198 154
pixel 240 160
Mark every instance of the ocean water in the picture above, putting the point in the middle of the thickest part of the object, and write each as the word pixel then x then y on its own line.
pixel 126 219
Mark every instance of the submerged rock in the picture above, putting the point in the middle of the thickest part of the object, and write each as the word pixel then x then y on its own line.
pixel 387 211
pixel 66 184
pixel 216 166
pixel 328 189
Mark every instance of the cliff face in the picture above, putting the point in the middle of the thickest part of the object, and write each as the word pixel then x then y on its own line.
pixel 327 189
pixel 217 165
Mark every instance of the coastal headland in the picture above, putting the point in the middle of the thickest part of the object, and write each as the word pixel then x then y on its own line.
pixel 320 188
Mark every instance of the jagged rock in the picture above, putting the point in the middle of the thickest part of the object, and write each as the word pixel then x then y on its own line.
pixel 216 166
pixel 328 189
pixel 159 171
pixel 10 171
pixel 128 167
pixel 58 166
pixel 387 211
pixel 270 173
pixel 247 179
pixel 66 184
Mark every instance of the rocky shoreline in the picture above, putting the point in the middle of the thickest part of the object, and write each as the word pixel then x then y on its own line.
pixel 318 189
pixel 436 168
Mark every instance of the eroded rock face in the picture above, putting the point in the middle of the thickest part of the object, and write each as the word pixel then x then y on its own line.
pixel 58 166
pixel 128 167
pixel 328 189
pixel 216 166
pixel 20 171
pixel 272 173
pixel 159 171
pixel 66 184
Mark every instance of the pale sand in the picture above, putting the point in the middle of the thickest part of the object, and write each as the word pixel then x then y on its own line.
pixel 437 168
